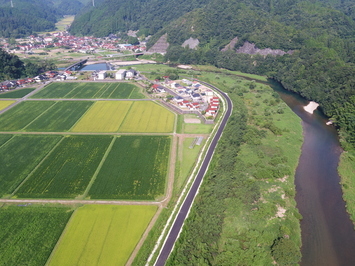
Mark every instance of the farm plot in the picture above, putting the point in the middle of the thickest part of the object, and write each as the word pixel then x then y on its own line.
pixel 22 114
pixel 103 116
pixel 28 234
pixel 4 104
pixel 136 168
pixel 19 93
pixel 68 169
pixel 148 117
pixel 89 90
pixel 60 117
pixel 19 156
pixel 102 235
pixel 4 139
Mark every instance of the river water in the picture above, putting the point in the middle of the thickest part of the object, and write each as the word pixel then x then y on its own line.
pixel 328 236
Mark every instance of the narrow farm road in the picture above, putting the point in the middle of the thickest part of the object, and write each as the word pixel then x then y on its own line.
pixel 186 205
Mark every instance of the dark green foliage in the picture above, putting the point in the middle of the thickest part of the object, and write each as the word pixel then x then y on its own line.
pixel 285 252
pixel 11 67
pixel 28 234
pixel 26 17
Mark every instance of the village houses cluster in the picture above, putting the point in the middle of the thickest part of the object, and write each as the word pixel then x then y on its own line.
pixel 190 96
pixel 86 44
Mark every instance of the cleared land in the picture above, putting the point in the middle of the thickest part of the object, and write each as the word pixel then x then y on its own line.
pixel 148 117
pixel 89 90
pixel 19 156
pixel 4 104
pixel 135 168
pixel 103 116
pixel 102 235
pixel 19 93
pixel 22 114
pixel 28 234
pixel 60 117
pixel 68 169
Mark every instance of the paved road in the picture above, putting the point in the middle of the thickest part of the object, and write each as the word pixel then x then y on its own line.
pixel 185 207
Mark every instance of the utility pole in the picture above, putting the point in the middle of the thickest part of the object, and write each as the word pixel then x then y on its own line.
pixel 12 5
pixel 93 3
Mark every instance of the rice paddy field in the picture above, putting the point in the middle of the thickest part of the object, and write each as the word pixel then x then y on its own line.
pixel 18 93
pixel 68 169
pixel 89 90
pixel 4 104
pixel 130 173
pixel 28 234
pixel 103 116
pixel 102 235
pixel 20 154
pixel 148 117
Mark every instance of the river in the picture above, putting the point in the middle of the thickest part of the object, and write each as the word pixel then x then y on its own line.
pixel 328 236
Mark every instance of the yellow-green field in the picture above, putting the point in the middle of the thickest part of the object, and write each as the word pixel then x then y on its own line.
pixel 147 116
pixel 102 235
pixel 126 116
pixel 4 104
pixel 103 116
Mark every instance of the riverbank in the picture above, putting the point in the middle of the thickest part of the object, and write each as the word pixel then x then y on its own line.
pixel 239 216
pixel 346 171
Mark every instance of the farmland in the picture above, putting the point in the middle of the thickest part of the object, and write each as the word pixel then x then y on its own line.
pixel 60 117
pixel 68 169
pixel 129 173
pixel 22 114
pixel 89 90
pixel 19 93
pixel 103 116
pixel 4 104
pixel 28 234
pixel 102 235
pixel 17 162
pixel 148 117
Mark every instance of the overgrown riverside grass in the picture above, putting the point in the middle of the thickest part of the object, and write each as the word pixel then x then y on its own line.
pixel 146 116
pixel 68 169
pixel 60 117
pixel 102 235
pixel 89 90
pixel 186 159
pixel 136 168
pixel 18 93
pixel 103 116
pixel 28 233
pixel 347 173
pixel 4 104
pixel 245 212
pixel 20 154
pixel 22 114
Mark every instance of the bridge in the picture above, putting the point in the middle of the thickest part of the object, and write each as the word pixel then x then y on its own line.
pixel 76 65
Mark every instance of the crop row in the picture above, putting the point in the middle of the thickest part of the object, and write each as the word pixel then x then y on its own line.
pixel 136 168
pixel 28 234
pixel 90 90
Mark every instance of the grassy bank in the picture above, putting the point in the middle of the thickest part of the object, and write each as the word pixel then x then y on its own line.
pixel 245 212
pixel 347 173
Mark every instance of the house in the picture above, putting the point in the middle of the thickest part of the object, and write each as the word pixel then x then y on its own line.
pixel 101 74
pixel 131 73
pixel 196 97
pixel 120 74
pixel 178 99
pixel 21 82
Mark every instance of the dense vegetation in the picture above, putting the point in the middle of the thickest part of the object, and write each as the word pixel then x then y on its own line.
pixel 11 67
pixel 25 17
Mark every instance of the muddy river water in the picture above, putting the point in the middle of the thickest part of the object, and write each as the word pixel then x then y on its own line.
pixel 328 236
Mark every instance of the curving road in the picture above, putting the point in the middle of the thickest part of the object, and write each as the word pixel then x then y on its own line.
pixel 185 207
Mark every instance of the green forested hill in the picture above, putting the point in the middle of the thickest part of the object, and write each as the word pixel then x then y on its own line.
pixel 111 16
pixel 29 16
